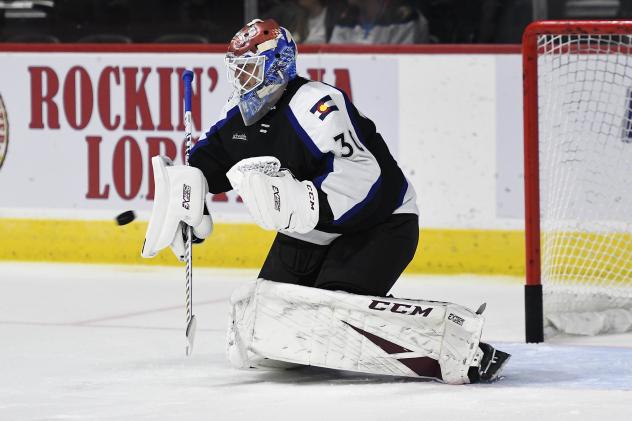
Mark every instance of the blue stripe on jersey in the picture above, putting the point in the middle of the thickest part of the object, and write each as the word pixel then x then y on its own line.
pixel 302 134
pixel 216 127
pixel 358 207
pixel 402 194
pixel 351 115
pixel 318 181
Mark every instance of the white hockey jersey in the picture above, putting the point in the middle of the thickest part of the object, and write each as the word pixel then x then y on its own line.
pixel 319 135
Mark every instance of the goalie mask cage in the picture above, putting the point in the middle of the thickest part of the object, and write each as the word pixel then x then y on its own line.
pixel 578 177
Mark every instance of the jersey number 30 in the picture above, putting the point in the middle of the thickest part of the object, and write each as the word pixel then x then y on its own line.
pixel 347 148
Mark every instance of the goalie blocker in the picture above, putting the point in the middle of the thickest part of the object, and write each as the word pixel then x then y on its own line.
pixel 368 334
pixel 180 193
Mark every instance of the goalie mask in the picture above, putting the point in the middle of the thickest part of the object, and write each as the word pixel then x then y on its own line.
pixel 261 60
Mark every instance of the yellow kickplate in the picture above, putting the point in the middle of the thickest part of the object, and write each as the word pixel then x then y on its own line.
pixel 243 245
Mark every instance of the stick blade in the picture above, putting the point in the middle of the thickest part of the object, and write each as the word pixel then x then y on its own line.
pixel 190 334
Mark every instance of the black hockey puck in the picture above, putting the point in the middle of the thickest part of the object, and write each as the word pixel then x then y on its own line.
pixel 125 217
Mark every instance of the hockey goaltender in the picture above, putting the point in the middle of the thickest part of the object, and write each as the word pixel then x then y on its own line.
pixel 309 165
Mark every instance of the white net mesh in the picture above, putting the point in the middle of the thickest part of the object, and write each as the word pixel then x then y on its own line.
pixel 585 143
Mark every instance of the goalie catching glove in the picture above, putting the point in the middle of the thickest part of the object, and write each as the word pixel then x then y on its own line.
pixel 179 199
pixel 275 199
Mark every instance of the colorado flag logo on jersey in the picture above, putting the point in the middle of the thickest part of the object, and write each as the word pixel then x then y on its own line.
pixel 323 107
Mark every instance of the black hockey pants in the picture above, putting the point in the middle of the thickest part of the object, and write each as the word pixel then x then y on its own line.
pixel 367 262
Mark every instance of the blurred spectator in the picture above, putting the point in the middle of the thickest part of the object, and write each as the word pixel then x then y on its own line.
pixel 321 16
pixel 141 20
pixel 380 22
pixel 315 28
pixel 27 21
pixel 309 21
pixel 591 9
pixel 287 13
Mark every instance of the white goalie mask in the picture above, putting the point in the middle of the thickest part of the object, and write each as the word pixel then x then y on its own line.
pixel 260 62
pixel 245 73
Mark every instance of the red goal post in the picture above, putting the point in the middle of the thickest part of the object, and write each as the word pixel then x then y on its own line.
pixel 574 36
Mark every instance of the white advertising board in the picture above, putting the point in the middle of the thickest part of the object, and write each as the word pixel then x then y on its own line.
pixel 78 130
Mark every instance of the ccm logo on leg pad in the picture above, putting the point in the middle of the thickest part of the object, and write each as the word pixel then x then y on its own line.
pixel 400 308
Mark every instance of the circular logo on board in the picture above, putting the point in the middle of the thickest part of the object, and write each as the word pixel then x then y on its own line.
pixel 4 132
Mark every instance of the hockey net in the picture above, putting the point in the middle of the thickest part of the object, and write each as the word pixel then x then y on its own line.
pixel 578 173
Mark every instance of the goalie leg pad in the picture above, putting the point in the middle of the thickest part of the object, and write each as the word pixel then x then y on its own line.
pixel 338 330
pixel 179 199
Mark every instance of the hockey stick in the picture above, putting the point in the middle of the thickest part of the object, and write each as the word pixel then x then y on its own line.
pixel 187 78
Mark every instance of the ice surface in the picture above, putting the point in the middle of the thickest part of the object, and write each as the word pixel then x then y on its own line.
pixel 81 342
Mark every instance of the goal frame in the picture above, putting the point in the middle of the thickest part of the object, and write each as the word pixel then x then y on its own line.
pixel 534 318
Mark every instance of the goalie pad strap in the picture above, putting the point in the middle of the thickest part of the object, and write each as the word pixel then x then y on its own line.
pixel 345 331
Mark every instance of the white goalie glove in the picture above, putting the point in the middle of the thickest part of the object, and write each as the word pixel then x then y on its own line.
pixel 179 199
pixel 275 199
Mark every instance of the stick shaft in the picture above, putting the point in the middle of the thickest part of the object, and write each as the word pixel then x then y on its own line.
pixel 187 78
